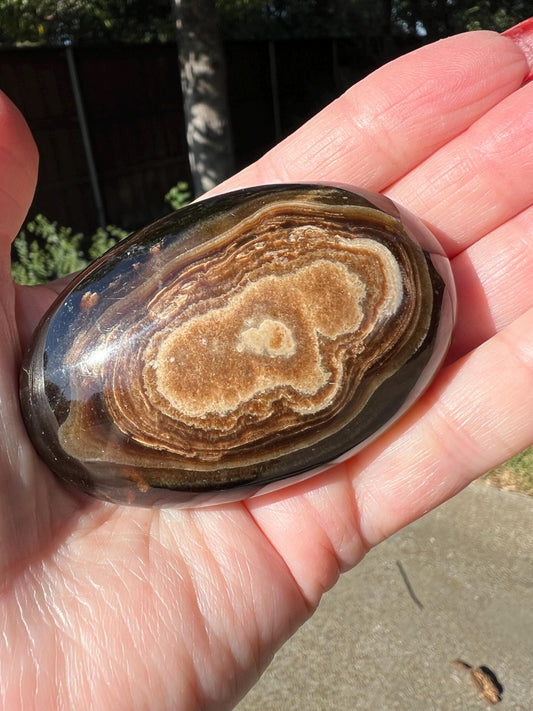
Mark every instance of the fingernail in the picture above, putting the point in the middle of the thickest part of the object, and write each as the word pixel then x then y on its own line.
pixel 522 36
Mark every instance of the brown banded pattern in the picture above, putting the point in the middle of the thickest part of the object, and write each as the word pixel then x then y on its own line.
pixel 243 340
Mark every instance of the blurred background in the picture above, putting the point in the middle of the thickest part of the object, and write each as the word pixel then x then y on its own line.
pixel 128 98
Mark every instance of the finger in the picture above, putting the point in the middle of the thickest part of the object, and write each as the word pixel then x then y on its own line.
pixel 478 180
pixel 477 416
pixel 18 173
pixel 493 280
pixel 395 118
pixel 522 36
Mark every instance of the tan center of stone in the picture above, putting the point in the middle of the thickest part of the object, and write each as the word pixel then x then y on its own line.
pixel 266 337
pixel 272 338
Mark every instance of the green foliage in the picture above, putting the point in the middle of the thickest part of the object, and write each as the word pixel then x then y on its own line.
pixel 104 239
pixel 279 19
pixel 70 21
pixel 43 251
pixel 178 196
pixel 439 18
pixel 246 19
pixel 494 16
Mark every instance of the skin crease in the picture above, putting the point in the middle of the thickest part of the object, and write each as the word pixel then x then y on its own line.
pixel 110 607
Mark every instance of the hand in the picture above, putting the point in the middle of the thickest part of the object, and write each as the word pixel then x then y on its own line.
pixel 109 607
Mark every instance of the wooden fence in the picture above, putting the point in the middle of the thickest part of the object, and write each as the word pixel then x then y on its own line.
pixel 128 100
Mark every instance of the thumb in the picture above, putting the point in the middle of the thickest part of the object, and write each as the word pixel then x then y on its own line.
pixel 18 173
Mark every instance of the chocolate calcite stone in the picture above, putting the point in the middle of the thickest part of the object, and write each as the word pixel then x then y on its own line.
pixel 249 338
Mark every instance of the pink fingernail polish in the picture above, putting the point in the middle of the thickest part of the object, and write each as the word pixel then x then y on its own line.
pixel 522 36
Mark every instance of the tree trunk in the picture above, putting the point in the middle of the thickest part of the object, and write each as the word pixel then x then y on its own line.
pixel 203 82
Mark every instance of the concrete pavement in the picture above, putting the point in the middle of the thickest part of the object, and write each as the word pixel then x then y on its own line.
pixel 456 584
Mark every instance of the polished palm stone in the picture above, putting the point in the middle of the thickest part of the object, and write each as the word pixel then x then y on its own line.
pixel 248 339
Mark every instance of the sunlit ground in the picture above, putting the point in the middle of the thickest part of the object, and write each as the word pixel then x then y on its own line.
pixel 514 475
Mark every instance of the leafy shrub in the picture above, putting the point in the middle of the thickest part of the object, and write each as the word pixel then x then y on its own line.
pixel 178 196
pixel 44 251
pixel 104 239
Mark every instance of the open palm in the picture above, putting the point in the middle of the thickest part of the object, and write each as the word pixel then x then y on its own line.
pixel 109 607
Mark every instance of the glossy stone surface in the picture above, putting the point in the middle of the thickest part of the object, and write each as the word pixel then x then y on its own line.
pixel 247 338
